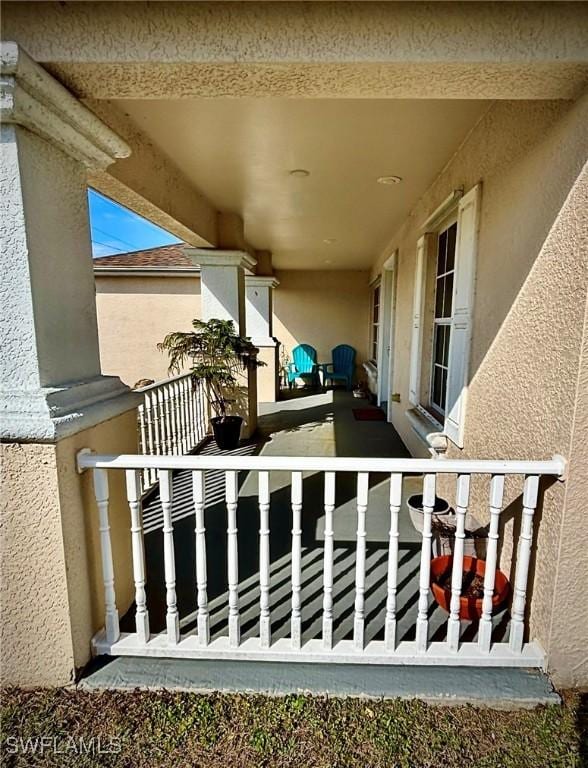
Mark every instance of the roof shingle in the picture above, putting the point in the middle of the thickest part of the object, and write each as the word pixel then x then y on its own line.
pixel 165 257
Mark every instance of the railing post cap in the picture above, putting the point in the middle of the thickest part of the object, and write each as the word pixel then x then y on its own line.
pixel 560 459
pixel 80 468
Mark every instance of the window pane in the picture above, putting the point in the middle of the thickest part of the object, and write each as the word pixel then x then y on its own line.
pixel 443 388
pixel 448 297
pixel 437 385
pixel 451 236
pixel 376 312
pixel 439 340
pixel 441 253
pixel 439 297
pixel 447 329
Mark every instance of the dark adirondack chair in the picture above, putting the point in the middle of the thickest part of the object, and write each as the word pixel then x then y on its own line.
pixel 343 366
pixel 303 365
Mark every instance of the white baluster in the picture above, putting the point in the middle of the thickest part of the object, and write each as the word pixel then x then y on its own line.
pixel 264 560
pixel 186 446
pixel 142 440
pixel 190 414
pixel 517 624
pixel 198 493
pixel 172 618
pixel 169 431
pixel 163 430
pixel 422 624
pixel 111 614
pixel 149 411
pixel 485 627
pixel 359 618
pixel 296 618
pixel 233 559
pixel 175 417
pixel 462 496
pixel 189 443
pixel 134 499
pixel 395 503
pixel 328 561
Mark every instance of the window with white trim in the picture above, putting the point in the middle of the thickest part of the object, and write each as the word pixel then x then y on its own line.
pixel 375 323
pixel 443 300
pixel 442 318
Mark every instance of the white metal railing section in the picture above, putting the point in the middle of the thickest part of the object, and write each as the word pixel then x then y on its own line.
pixel 198 643
pixel 172 419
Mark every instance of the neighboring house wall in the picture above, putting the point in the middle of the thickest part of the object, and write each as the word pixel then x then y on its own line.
pixel 531 283
pixel 323 309
pixel 134 315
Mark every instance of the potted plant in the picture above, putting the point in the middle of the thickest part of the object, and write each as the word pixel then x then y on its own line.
pixel 218 355
pixel 472 588
pixel 415 508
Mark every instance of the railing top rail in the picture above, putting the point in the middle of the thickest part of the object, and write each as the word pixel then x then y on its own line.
pixel 157 384
pixel 554 466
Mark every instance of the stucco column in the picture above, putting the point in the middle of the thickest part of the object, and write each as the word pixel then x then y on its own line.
pixel 259 316
pixel 222 296
pixel 49 359
pixel 54 399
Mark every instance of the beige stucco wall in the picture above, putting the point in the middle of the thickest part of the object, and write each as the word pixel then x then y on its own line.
pixel 531 284
pixel 322 309
pixel 51 582
pixel 134 315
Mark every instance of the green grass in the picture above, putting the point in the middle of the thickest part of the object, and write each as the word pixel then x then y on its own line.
pixel 237 731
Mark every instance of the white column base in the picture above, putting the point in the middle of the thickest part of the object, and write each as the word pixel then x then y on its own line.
pixel 51 413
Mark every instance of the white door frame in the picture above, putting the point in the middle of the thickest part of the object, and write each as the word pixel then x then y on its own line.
pixel 386 335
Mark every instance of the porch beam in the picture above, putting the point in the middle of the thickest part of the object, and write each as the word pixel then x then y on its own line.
pixel 152 186
pixel 355 49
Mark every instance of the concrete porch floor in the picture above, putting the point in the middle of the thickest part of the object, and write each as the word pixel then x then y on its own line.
pixel 309 425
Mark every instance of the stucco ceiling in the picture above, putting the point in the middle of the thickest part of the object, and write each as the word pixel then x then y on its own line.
pixel 239 152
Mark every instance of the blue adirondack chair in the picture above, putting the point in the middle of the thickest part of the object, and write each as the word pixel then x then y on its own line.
pixel 303 365
pixel 343 366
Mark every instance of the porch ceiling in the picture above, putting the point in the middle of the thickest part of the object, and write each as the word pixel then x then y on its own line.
pixel 238 153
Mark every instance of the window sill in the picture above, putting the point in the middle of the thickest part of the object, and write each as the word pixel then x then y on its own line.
pixel 427 430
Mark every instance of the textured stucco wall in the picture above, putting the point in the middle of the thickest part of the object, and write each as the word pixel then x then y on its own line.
pixel 407 50
pixel 322 309
pixel 134 315
pixel 531 285
pixel 51 584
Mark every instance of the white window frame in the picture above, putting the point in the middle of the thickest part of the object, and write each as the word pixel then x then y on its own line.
pixel 375 328
pixel 468 216
pixel 438 412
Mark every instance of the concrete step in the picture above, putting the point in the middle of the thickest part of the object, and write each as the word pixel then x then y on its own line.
pixel 499 688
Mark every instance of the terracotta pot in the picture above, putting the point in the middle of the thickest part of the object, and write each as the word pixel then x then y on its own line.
pixel 470 608
pixel 227 431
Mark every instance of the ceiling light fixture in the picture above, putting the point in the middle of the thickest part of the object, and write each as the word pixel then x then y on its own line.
pixel 389 180
pixel 329 240
pixel 299 173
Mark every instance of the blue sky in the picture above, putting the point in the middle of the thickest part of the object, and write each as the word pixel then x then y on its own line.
pixel 115 229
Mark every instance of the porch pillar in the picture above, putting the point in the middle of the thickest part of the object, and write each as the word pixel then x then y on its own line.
pixel 222 296
pixel 53 396
pixel 259 319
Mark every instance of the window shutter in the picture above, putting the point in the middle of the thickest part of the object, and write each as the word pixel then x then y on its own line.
pixel 417 323
pixel 463 303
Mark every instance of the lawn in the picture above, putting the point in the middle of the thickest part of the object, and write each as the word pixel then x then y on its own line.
pixel 147 728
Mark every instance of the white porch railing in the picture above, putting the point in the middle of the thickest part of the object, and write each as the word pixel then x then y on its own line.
pixel 514 651
pixel 172 420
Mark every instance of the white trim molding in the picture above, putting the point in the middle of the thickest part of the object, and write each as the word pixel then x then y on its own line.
pixel 443 210
pixel 215 257
pixel 32 98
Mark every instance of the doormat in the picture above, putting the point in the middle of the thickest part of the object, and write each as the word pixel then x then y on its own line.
pixel 369 414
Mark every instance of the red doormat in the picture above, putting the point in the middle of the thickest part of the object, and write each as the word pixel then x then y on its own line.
pixel 369 414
